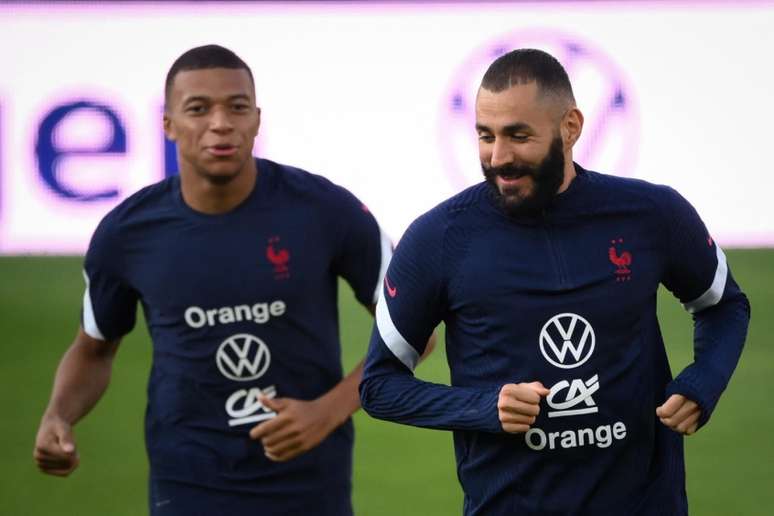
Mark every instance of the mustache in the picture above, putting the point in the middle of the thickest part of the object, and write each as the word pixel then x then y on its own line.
pixel 509 171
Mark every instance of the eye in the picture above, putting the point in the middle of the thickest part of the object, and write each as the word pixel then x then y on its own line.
pixel 486 138
pixel 519 137
pixel 195 109
pixel 240 108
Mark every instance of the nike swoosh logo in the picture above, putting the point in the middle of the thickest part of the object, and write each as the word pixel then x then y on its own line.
pixel 392 291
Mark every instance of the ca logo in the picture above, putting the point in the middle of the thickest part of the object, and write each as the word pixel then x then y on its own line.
pixel 577 392
pixel 243 357
pixel 576 337
pixel 244 406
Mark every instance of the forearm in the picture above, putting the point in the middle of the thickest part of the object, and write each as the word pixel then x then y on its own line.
pixel 81 379
pixel 402 398
pixel 343 400
pixel 719 335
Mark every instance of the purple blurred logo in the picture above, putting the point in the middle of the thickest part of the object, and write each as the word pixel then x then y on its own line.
pixel 610 135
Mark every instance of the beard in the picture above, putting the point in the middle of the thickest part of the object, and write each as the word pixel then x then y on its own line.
pixel 547 176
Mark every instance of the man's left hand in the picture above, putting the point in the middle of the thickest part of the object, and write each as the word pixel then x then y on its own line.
pixel 298 427
pixel 680 414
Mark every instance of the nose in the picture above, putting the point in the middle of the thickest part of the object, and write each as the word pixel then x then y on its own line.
pixel 502 153
pixel 220 121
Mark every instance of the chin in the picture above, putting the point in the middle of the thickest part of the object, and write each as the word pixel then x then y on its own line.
pixel 220 173
pixel 515 196
pixel 220 178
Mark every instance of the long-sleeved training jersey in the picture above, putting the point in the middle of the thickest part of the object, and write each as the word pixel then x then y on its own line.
pixel 567 298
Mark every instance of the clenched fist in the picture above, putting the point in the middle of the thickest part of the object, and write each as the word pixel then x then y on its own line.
pixel 680 414
pixel 519 404
pixel 55 451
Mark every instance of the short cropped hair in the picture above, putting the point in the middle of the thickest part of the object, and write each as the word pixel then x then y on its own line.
pixel 526 65
pixel 203 58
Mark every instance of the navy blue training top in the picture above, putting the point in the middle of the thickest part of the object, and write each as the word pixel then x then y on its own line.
pixel 567 298
pixel 238 305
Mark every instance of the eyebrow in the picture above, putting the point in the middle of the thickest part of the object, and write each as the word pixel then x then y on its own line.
pixel 512 128
pixel 204 98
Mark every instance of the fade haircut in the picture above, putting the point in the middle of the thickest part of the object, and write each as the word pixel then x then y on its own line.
pixel 525 65
pixel 204 58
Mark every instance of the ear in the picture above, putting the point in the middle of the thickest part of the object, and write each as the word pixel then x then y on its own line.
pixel 169 130
pixel 258 115
pixel 571 127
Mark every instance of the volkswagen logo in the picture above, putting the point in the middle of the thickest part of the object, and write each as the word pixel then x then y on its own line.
pixel 243 357
pixel 567 340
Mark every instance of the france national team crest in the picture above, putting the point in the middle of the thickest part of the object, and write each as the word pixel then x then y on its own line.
pixel 602 90
pixel 621 259
pixel 279 258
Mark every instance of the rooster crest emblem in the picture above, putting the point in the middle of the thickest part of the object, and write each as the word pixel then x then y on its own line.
pixel 279 258
pixel 621 261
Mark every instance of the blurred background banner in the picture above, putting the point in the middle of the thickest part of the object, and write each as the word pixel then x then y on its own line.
pixel 379 98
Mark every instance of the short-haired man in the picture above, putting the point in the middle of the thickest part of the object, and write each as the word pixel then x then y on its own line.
pixel 562 400
pixel 235 262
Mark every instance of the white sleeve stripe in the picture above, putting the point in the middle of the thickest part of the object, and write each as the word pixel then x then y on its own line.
pixel 89 321
pixel 713 294
pixel 402 350
pixel 386 255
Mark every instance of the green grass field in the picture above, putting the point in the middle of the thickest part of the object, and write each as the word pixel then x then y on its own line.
pixel 398 470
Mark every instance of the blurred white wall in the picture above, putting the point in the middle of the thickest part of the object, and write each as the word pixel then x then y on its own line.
pixel 378 98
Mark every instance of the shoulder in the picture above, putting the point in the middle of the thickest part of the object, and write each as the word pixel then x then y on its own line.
pixel 463 212
pixel 460 209
pixel 145 204
pixel 633 193
pixel 305 185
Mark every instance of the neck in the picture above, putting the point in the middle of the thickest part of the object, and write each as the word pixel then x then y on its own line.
pixel 569 174
pixel 204 196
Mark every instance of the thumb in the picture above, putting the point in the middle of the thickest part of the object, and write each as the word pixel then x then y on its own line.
pixel 64 434
pixel 275 404
pixel 539 388
pixel 670 406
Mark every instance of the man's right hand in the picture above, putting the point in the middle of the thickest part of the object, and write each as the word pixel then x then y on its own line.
pixel 55 452
pixel 519 404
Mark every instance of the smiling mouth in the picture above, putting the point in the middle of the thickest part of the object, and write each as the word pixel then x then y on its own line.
pixel 511 179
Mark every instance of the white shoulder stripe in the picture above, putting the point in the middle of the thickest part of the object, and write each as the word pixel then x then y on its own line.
pixel 715 292
pixel 89 321
pixel 402 350
pixel 386 256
